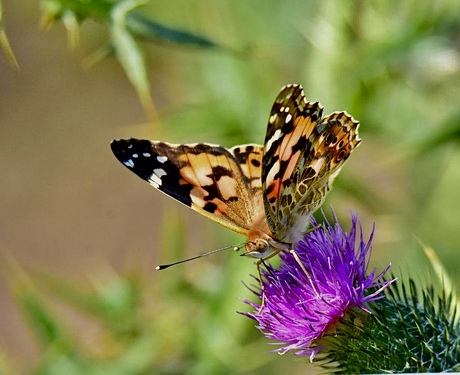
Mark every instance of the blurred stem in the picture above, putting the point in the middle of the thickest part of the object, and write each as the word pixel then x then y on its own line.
pixel 4 42
pixel 130 55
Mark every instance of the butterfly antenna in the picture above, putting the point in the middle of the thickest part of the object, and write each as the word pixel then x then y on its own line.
pixel 234 247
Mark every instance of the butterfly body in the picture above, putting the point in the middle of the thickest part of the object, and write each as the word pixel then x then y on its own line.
pixel 266 193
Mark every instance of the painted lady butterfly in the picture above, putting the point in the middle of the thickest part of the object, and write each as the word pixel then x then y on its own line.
pixel 266 193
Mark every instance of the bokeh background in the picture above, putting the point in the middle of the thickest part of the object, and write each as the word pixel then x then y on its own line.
pixel 80 235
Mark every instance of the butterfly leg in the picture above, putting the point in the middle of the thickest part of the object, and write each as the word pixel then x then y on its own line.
pixel 317 226
pixel 260 262
pixel 302 266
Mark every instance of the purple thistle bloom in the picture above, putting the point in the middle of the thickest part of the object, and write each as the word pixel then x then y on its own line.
pixel 315 286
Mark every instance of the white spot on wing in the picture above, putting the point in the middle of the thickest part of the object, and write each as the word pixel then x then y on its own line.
pixel 129 163
pixel 146 154
pixel 288 118
pixel 159 172
pixel 135 156
pixel 155 181
pixel 162 159
pixel 274 138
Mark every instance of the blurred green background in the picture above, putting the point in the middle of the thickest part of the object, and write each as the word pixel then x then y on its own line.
pixel 80 235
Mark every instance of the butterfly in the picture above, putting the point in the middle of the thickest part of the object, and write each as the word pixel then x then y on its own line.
pixel 267 193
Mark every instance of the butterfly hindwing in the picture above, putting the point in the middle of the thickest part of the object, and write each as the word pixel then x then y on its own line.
pixel 249 158
pixel 221 184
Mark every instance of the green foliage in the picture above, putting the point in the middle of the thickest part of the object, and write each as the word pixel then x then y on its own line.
pixel 129 338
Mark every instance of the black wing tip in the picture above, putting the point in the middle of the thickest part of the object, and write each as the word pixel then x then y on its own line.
pixel 124 149
pixel 114 144
pixel 118 144
pixel 120 147
pixel 121 141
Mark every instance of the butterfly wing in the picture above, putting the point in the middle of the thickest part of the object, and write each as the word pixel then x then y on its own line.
pixel 222 184
pixel 303 153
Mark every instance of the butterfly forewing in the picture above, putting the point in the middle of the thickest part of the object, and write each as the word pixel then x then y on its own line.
pixel 303 153
pixel 219 183
pixel 291 121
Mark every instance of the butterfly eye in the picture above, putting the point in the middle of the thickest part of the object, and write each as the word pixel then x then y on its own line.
pixel 261 244
pixel 257 247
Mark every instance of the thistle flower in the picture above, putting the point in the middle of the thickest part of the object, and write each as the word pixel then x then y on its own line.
pixel 322 279
pixel 414 329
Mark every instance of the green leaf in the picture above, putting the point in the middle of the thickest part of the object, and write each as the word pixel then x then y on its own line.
pixel 449 132
pixel 43 322
pixel 151 30
pixel 442 274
